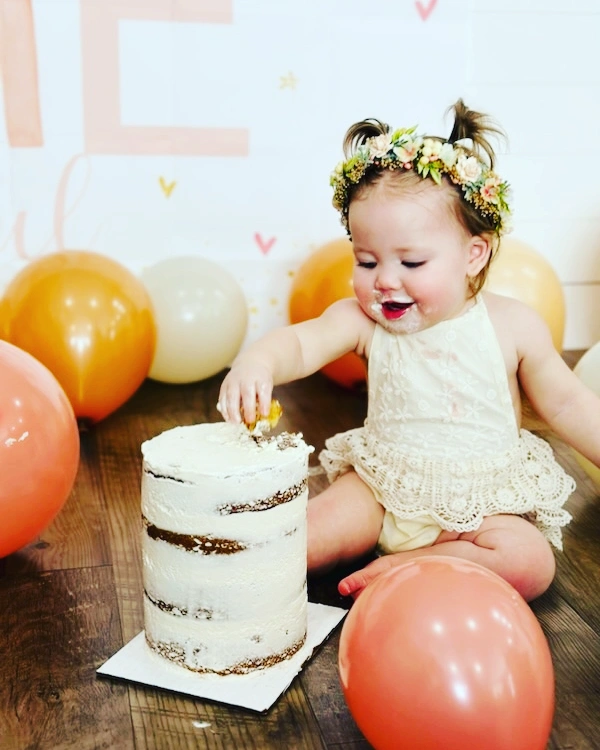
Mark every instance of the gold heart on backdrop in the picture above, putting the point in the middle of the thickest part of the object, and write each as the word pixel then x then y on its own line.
pixel 166 187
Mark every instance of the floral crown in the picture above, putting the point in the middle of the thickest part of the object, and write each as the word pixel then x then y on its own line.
pixel 430 157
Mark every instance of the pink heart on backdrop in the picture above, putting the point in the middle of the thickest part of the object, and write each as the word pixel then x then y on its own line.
pixel 425 9
pixel 264 245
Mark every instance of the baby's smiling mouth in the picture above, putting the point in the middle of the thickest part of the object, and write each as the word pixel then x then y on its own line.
pixel 392 310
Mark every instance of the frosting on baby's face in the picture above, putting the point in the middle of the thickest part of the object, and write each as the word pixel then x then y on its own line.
pixel 413 259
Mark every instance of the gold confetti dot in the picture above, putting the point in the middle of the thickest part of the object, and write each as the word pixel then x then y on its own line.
pixel 288 81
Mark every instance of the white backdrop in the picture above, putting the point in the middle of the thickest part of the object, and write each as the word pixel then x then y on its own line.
pixel 143 129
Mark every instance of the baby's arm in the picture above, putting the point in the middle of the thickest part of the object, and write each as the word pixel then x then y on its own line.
pixel 291 353
pixel 556 393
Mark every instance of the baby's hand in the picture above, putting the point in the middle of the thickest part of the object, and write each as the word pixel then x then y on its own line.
pixel 262 423
pixel 245 388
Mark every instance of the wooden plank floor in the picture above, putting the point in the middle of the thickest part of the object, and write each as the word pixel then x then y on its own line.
pixel 73 597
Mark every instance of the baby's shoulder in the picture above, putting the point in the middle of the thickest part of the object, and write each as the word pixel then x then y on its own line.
pixel 515 322
pixel 348 316
pixel 509 311
pixel 348 311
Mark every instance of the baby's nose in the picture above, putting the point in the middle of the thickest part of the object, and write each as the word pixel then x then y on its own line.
pixel 388 278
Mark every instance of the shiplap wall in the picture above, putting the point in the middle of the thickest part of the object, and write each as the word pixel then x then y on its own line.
pixel 282 81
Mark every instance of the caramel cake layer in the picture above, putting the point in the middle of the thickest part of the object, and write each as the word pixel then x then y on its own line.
pixel 202 544
pixel 278 498
pixel 226 508
pixel 198 614
pixel 205 545
pixel 176 653
pixel 156 475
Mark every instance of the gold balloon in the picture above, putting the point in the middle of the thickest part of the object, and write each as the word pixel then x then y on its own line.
pixel 4 327
pixel 588 370
pixel 324 278
pixel 89 320
pixel 201 318
pixel 521 272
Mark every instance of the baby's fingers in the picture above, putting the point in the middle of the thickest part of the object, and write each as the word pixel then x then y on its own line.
pixel 245 397
pixel 229 403
pixel 249 401
pixel 264 393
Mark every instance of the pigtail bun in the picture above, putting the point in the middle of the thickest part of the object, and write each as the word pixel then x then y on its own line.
pixel 475 127
pixel 360 132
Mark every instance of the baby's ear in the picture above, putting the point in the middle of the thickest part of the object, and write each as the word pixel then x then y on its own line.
pixel 479 254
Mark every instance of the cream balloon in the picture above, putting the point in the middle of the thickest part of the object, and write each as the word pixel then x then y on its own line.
pixel 201 317
pixel 588 370
pixel 521 272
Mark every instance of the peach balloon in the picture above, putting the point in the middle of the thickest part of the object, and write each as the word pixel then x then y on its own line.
pixel 39 448
pixel 90 321
pixel 521 272
pixel 442 654
pixel 323 278
pixel 588 370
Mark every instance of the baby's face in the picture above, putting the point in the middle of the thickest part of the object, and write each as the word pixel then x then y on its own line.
pixel 413 258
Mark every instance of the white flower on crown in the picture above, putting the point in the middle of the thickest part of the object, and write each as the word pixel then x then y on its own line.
pixel 507 224
pixel 431 149
pixel 448 155
pixel 468 168
pixel 380 145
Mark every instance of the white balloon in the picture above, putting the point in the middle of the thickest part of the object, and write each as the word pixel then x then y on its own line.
pixel 588 370
pixel 201 317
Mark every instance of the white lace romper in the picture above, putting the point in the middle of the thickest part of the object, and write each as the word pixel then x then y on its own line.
pixel 441 447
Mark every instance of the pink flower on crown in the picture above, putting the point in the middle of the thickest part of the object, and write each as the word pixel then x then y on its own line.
pixel 407 152
pixel 489 191
pixel 468 168
pixel 379 145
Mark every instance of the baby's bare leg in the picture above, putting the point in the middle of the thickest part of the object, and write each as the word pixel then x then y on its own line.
pixel 508 545
pixel 344 522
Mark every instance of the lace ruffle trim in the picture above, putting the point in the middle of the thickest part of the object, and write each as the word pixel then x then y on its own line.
pixel 525 480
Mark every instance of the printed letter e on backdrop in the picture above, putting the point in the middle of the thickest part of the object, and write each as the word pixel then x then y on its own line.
pixel 18 68
pixel 104 133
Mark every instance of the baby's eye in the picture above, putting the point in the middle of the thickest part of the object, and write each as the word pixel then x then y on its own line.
pixel 366 264
pixel 413 264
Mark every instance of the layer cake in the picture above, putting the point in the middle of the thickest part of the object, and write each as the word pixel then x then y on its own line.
pixel 224 547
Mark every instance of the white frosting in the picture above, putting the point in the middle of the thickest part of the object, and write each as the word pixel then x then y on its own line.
pixel 220 450
pixel 224 609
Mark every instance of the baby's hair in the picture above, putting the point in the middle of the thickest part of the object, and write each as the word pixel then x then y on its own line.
pixel 469 125
pixel 474 126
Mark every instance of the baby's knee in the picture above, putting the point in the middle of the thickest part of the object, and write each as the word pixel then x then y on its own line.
pixel 534 565
pixel 537 579
pixel 519 552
